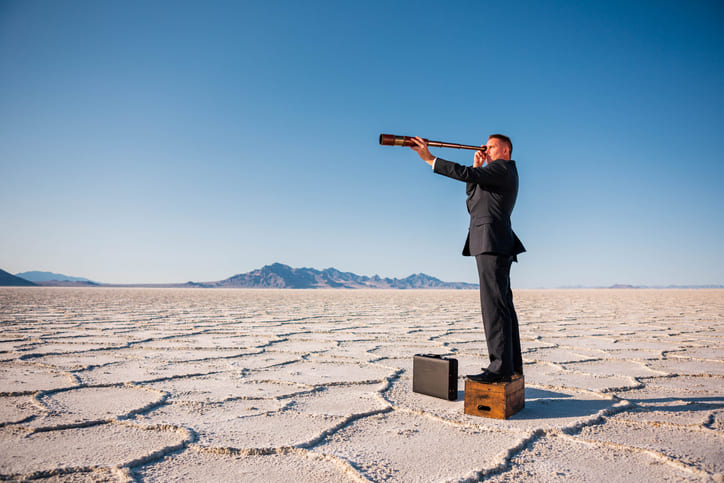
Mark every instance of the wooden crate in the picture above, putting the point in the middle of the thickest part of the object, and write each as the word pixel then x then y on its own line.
pixel 498 400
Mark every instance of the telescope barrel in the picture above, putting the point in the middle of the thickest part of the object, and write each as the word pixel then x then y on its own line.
pixel 394 140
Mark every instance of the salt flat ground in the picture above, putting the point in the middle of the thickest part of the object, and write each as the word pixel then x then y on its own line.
pixel 118 384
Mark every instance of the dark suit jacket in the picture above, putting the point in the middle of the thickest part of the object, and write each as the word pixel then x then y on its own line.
pixel 492 190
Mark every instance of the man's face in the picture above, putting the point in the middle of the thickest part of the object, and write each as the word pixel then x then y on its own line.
pixel 497 149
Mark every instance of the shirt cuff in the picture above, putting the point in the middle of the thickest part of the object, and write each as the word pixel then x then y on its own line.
pixel 433 163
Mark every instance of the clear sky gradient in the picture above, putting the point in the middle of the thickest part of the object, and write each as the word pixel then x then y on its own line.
pixel 174 141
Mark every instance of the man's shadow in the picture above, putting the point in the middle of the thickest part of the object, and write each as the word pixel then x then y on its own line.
pixel 549 404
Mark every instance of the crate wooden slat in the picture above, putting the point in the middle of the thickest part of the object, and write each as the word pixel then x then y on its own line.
pixel 499 400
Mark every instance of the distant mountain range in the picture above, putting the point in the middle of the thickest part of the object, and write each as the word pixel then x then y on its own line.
pixel 10 280
pixel 629 286
pixel 50 277
pixel 276 275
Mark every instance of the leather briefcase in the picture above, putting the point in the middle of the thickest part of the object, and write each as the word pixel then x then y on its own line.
pixel 435 375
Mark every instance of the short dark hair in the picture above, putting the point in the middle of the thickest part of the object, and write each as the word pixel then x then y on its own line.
pixel 503 138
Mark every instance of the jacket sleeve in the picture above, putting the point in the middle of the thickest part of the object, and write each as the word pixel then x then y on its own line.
pixel 493 174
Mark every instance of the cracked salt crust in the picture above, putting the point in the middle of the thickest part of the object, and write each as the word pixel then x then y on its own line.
pixel 561 459
pixel 19 377
pixel 16 409
pixel 672 441
pixel 217 388
pixel 278 385
pixel 208 466
pixel 104 445
pixel 611 368
pixel 88 404
pixel 407 447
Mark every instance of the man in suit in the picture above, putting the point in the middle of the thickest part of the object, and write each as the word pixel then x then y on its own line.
pixel 492 188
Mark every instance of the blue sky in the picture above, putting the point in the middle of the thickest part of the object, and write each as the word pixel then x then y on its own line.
pixel 174 141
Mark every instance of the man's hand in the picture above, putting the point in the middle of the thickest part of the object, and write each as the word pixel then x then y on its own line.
pixel 480 157
pixel 421 149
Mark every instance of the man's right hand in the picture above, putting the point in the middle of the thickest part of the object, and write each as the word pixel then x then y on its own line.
pixel 480 157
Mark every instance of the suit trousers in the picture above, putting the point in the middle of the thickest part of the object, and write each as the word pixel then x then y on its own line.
pixel 499 318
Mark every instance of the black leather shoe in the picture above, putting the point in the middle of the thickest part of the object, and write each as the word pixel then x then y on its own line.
pixel 487 377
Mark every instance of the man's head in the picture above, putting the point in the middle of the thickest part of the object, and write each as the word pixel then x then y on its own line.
pixel 499 147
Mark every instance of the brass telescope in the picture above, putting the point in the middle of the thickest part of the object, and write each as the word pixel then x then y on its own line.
pixel 394 140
